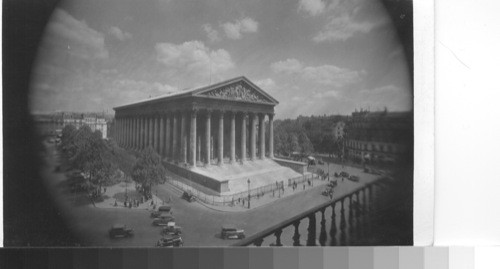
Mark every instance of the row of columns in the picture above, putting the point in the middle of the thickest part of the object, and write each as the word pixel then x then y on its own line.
pixel 166 133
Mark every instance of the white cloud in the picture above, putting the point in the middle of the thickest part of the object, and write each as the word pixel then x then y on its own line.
pixel 193 58
pixel 313 7
pixel 328 75
pixel 129 90
pixel 119 34
pixel 212 34
pixel 234 30
pixel 343 27
pixel 326 94
pixel 267 84
pixel 64 31
pixel 381 90
pixel 287 66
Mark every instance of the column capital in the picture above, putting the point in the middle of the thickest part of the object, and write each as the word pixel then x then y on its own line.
pixel 221 114
pixel 193 113
pixel 262 116
pixel 270 115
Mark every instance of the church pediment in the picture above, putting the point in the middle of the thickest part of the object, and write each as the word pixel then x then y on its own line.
pixel 238 91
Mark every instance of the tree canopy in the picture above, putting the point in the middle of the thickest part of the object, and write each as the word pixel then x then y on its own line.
pixel 148 170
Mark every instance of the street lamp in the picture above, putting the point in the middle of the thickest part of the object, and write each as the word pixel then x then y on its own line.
pixel 248 181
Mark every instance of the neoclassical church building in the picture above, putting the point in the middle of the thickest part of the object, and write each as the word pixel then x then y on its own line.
pixel 219 136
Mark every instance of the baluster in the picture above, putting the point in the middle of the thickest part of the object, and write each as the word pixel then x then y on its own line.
pixel 350 220
pixel 322 234
pixel 342 224
pixel 278 237
pixel 370 209
pixel 359 223
pixel 333 230
pixel 311 236
pixel 258 242
pixel 365 212
pixel 296 234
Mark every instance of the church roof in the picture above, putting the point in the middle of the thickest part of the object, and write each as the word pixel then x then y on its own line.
pixel 259 95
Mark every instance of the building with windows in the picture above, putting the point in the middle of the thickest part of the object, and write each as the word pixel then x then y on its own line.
pixel 379 136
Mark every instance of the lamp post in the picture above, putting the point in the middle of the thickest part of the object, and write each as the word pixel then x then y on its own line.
pixel 248 181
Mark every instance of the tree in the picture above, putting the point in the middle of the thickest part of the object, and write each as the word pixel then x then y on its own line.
pixel 148 170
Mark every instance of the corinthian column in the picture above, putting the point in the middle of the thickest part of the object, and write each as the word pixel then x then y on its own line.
pixel 252 137
pixel 271 136
pixel 162 137
pixel 262 136
pixel 168 131
pixel 175 138
pixel 183 138
pixel 233 138
pixel 192 139
pixel 150 132
pixel 207 137
pixel 220 142
pixel 243 156
pixel 156 129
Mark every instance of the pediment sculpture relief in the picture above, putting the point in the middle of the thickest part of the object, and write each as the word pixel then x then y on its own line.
pixel 238 92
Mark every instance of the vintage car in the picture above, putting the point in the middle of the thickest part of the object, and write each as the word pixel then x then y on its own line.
pixel 332 184
pixel 344 174
pixel 120 230
pixel 163 220
pixel 188 196
pixel 327 191
pixel 161 210
pixel 170 240
pixel 171 228
pixel 231 232
pixel 354 178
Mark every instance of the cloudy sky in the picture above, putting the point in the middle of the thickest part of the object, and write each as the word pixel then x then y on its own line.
pixel 315 57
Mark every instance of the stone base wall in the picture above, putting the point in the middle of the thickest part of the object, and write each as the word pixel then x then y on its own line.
pixel 208 182
pixel 298 167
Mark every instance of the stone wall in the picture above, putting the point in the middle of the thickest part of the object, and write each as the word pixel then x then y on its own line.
pixel 298 167
pixel 208 182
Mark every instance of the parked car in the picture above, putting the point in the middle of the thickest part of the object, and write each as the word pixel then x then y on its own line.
pixel 354 178
pixel 332 184
pixel 163 220
pixel 120 230
pixel 336 174
pixel 344 174
pixel 161 210
pixel 320 161
pixel 327 191
pixel 171 228
pixel 189 196
pixel 170 240
pixel 231 232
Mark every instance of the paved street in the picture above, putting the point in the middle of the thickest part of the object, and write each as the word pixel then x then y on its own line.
pixel 201 225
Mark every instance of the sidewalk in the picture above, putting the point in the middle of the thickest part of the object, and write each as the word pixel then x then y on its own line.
pixel 121 188
pixel 266 199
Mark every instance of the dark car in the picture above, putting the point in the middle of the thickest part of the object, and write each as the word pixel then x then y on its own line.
pixel 354 178
pixel 163 220
pixel 344 174
pixel 189 196
pixel 171 228
pixel 170 240
pixel 321 162
pixel 231 232
pixel 120 230
pixel 161 210
pixel 332 184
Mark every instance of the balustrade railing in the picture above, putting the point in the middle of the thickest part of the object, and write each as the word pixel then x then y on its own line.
pixel 357 207
pixel 232 199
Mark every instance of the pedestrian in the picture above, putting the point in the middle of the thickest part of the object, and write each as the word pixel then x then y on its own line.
pixel 152 203
pixel 304 186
